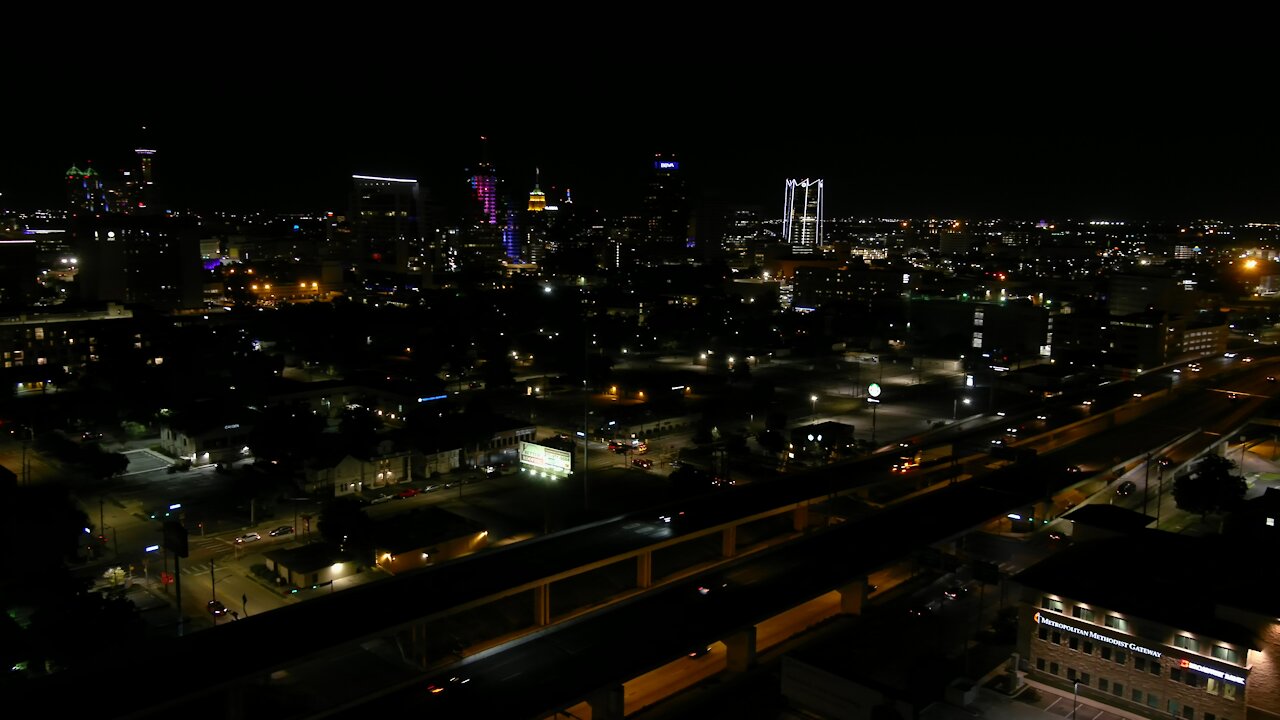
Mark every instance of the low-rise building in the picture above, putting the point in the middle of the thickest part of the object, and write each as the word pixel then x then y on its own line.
pixel 347 472
pixel 1156 624
pixel 426 536
pixel 208 438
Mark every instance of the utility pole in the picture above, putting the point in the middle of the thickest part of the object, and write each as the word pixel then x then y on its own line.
pixel 586 397
pixel 1146 483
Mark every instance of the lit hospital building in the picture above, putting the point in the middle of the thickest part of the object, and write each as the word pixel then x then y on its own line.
pixel 1156 624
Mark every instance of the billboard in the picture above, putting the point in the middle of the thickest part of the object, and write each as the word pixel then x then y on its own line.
pixel 666 165
pixel 540 458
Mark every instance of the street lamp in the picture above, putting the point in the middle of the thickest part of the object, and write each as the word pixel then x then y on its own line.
pixel 1075 693
pixel 813 404
pixel 954 402
pixel 873 397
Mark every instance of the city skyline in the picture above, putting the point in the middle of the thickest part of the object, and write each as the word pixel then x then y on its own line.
pixel 1010 150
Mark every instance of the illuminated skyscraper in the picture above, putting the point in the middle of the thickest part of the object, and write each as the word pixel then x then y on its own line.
pixel 390 224
pixel 145 193
pixel 802 213
pixel 484 183
pixel 496 226
pixel 510 233
pixel 85 192
pixel 666 209
pixel 537 198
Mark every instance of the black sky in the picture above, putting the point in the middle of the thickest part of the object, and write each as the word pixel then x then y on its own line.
pixel 1000 134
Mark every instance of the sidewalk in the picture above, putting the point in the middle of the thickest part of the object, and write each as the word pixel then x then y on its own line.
pixel 1036 701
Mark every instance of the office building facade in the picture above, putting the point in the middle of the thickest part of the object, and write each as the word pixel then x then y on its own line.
pixel 1166 626
pixel 666 212
pixel 389 222
pixel 802 213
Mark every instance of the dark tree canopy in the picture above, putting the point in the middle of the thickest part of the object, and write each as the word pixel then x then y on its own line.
pixel 1210 486
pixel 344 525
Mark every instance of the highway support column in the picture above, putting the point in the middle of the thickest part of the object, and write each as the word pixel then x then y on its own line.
pixel 800 518
pixel 729 541
pixel 542 604
pixel 740 649
pixel 644 569
pixel 852 596
pixel 607 703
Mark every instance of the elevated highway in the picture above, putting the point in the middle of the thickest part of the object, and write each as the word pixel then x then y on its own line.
pixel 400 625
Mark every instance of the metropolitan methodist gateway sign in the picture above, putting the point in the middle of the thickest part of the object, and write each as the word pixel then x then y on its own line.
pixel 540 458
pixel 1042 620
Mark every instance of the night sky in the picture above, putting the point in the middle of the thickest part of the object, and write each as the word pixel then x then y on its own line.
pixel 996 136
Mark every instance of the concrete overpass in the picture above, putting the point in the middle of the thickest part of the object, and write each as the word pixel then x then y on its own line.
pixel 406 617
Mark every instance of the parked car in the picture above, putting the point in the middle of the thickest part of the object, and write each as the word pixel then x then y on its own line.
pixel 407 493
pixel 282 530
pixel 381 499
pixel 248 538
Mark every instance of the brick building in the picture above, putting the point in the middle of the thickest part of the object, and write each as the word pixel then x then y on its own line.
pixel 1156 624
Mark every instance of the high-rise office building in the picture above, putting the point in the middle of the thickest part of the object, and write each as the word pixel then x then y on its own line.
pixel 666 210
pixel 802 213
pixel 389 219
pixel 537 198
pixel 493 231
pixel 85 191
pixel 484 185
pixel 144 196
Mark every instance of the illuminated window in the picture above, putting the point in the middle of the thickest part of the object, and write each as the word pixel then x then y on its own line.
pixel 1186 642
pixel 1117 622
pixel 1083 613
pixel 1211 685
pixel 1222 652
pixel 1051 604
pixel 1271 522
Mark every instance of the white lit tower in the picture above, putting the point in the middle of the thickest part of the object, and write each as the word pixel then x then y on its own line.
pixel 802 213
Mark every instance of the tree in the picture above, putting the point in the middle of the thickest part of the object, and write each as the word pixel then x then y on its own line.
pixel 344 525
pixel 772 440
pixel 1209 487
pixel 104 464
